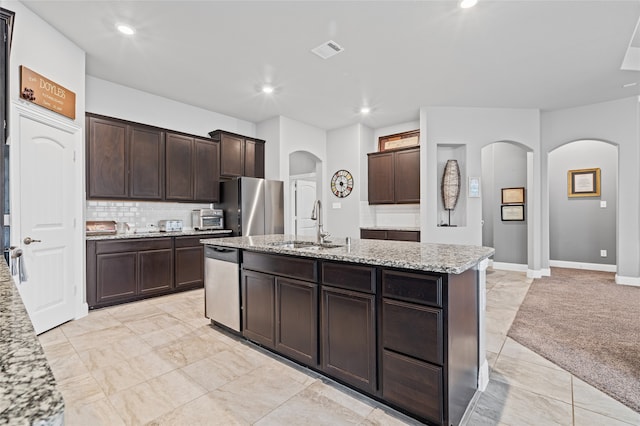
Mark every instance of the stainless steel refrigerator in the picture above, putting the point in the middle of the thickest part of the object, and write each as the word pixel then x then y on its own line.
pixel 253 206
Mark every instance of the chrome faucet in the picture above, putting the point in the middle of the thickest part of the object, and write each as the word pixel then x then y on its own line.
pixel 316 214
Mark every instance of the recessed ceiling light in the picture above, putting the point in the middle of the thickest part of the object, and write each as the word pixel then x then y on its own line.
pixel 466 4
pixel 365 110
pixel 267 89
pixel 125 29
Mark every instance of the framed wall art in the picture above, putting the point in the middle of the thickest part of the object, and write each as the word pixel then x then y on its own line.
pixel 583 183
pixel 399 140
pixel 512 213
pixel 513 195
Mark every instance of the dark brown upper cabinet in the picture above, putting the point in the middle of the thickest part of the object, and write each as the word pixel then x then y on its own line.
pixel 394 176
pixel 239 155
pixel 192 169
pixel 124 160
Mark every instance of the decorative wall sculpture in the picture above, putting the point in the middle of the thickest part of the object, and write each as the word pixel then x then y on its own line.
pixel 450 186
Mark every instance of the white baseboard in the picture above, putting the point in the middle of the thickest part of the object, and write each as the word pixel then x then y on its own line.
pixel 503 266
pixel 483 376
pixel 534 273
pixel 545 272
pixel 581 265
pixel 82 311
pixel 634 281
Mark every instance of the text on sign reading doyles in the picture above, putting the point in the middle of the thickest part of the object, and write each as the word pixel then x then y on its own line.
pixel 44 92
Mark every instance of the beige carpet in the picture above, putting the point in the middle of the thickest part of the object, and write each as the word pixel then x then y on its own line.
pixel 586 323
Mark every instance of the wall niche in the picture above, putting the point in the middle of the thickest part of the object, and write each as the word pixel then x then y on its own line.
pixel 458 216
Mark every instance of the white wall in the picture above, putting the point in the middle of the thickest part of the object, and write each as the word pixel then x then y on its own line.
pixel 343 152
pixel 114 100
pixel 615 122
pixel 39 47
pixel 297 136
pixel 475 128
pixel 269 130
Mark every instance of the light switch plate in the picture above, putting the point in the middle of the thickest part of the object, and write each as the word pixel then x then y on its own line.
pixel 603 204
pixel 337 205
pixel 603 253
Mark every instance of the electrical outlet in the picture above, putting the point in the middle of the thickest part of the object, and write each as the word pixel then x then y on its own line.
pixel 603 253
pixel 603 204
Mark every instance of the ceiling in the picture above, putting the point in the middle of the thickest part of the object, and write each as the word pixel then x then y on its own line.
pixel 399 55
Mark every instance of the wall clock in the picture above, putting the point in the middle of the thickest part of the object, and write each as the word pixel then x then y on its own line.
pixel 341 183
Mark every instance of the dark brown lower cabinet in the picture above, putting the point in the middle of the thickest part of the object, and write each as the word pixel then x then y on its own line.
pixel 414 385
pixel 348 336
pixel 297 320
pixel 189 262
pixel 259 308
pixel 116 277
pixel 124 270
pixel 280 312
pixel 156 270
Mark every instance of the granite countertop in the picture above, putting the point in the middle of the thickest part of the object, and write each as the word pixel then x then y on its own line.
pixel 157 234
pixel 391 228
pixel 28 393
pixel 444 258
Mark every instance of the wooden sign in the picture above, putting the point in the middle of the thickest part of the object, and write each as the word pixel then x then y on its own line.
pixel 46 93
pixel 399 140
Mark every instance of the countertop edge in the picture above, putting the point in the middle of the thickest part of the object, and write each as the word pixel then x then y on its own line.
pixel 30 395
pixel 188 233
pixel 373 252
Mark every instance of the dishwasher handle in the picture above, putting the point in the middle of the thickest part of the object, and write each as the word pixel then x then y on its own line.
pixel 225 254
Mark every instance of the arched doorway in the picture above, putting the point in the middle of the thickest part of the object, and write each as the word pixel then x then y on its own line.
pixel 505 166
pixel 583 228
pixel 305 172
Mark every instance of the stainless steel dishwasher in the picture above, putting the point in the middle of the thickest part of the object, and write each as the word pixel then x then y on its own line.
pixel 222 286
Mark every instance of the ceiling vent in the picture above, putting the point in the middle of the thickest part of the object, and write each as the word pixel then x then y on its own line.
pixel 328 49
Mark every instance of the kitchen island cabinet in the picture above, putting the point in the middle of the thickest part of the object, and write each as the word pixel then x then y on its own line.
pixel 397 321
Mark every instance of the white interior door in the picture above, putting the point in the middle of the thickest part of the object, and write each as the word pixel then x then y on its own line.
pixel 43 197
pixel 304 199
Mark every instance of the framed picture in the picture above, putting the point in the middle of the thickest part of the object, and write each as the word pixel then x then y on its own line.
pixel 512 213
pixel 474 187
pixel 513 195
pixel 583 183
pixel 399 140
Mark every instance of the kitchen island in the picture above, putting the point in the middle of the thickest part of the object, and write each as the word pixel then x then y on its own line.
pixel 401 322
pixel 28 392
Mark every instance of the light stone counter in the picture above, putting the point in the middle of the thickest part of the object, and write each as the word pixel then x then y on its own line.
pixel 444 258
pixel 185 233
pixel 28 393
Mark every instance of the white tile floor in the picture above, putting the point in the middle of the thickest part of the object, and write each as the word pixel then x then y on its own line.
pixel 159 362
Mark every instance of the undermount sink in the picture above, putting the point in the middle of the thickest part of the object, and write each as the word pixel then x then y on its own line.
pixel 309 245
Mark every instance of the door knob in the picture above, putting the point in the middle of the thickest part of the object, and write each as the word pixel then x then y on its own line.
pixel 30 240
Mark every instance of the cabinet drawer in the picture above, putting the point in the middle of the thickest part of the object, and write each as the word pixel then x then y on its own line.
pixel 288 266
pixel 418 288
pixel 352 277
pixel 413 330
pixel 120 246
pixel 373 234
pixel 413 385
pixel 403 235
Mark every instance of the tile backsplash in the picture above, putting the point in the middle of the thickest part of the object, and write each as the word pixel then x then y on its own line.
pixel 144 215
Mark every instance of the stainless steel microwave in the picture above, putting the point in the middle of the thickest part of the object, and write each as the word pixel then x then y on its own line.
pixel 207 219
